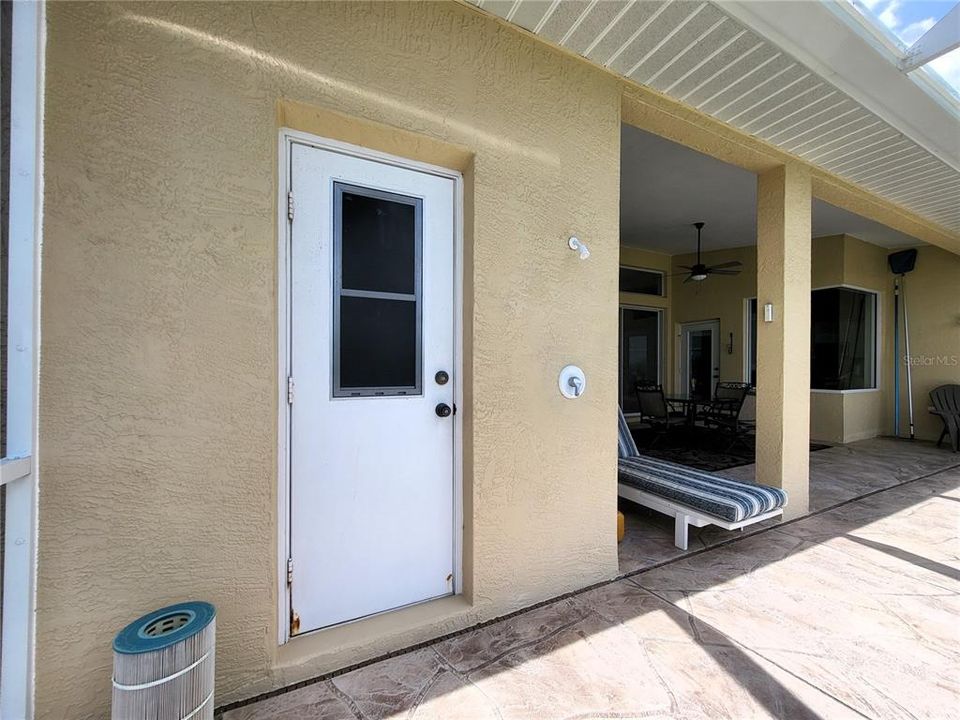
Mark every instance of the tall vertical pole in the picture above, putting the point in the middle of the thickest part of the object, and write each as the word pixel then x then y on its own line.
pixel 906 343
pixel 896 356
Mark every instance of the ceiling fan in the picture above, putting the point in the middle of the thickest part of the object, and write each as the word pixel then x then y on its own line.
pixel 698 271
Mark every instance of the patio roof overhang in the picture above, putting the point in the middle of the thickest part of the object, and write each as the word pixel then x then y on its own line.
pixel 802 76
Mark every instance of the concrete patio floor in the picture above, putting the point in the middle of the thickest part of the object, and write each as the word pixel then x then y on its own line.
pixel 837 474
pixel 853 612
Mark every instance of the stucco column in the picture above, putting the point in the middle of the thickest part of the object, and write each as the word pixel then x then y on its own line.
pixel 783 345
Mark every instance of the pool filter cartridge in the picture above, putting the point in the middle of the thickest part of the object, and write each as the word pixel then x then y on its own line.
pixel 163 665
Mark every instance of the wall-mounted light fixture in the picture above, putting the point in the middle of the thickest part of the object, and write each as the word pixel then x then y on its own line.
pixel 730 345
pixel 768 312
pixel 574 243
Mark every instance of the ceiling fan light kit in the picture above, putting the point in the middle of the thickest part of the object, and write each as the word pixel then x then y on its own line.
pixel 698 272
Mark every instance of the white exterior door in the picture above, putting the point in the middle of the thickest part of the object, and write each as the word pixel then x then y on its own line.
pixel 372 362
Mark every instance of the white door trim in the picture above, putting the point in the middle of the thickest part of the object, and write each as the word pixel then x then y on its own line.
pixel 287 138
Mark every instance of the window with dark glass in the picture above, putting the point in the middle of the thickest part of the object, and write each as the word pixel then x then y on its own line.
pixel 752 334
pixel 639 353
pixel 377 293
pixel 842 339
pixel 644 282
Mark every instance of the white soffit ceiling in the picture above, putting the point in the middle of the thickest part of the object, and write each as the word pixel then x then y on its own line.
pixel 700 54
pixel 665 188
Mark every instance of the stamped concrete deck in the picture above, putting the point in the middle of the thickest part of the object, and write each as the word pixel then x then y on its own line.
pixel 854 612
pixel 837 475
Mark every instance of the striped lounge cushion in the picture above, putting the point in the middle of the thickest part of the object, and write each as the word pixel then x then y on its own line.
pixel 626 447
pixel 716 495
pixel 708 492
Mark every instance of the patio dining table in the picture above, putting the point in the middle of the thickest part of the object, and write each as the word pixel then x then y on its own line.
pixel 690 406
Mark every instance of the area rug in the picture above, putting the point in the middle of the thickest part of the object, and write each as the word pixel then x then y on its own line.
pixel 699 448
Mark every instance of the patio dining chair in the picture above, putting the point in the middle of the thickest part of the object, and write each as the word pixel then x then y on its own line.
pixel 946 404
pixel 656 411
pixel 724 409
pixel 723 412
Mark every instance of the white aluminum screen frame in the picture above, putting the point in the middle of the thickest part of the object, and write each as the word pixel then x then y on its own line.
pixel 20 468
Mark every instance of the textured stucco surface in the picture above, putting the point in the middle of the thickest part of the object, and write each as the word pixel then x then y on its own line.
pixel 933 298
pixel 158 397
pixel 848 417
pixel 720 297
pixel 783 345
pixel 158 383
pixel 933 302
pixel 835 260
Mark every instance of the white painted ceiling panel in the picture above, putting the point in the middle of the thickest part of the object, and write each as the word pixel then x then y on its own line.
pixel 667 187
pixel 561 24
pixel 698 53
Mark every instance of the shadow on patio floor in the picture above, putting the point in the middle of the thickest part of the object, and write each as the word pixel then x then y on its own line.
pixel 804 620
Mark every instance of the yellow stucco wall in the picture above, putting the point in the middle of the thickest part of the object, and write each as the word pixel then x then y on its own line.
pixel 851 416
pixel 718 298
pixel 933 303
pixel 158 383
pixel 157 388
pixel 934 297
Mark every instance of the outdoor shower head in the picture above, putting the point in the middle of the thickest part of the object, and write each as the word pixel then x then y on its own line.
pixel 575 244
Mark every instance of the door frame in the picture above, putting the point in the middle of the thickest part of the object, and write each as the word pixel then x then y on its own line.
pixel 685 354
pixel 287 138
pixel 748 338
pixel 660 343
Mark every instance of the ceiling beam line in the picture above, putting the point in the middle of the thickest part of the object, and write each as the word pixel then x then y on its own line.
pixel 897 179
pixel 815 154
pixel 906 169
pixel 796 97
pixel 828 121
pixel 719 72
pixel 638 32
pixel 805 118
pixel 743 77
pixel 703 62
pixel 692 44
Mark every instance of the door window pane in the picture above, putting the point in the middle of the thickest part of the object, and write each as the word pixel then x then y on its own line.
pixel 842 339
pixel 377 344
pixel 377 293
pixel 645 282
pixel 752 354
pixel 378 247
pixel 701 364
pixel 639 353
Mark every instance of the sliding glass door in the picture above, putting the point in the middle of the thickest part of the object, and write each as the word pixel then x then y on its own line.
pixel 640 332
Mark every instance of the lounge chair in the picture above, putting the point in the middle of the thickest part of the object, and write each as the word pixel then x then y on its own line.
pixel 692 497
pixel 946 404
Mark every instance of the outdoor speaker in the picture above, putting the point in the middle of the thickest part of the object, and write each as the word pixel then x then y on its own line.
pixel 902 262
